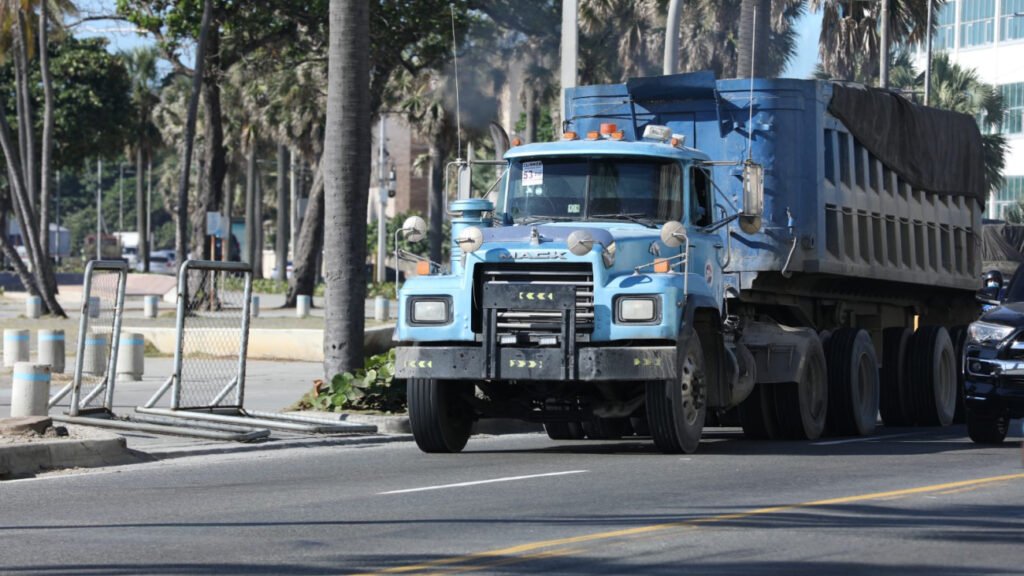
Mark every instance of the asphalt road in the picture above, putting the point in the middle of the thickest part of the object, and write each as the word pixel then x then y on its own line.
pixel 908 501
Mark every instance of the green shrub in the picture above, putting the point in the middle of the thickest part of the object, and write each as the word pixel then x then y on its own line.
pixel 372 388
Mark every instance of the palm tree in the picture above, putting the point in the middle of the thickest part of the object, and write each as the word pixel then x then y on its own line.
pixel 629 33
pixel 849 41
pixel 141 64
pixel 711 31
pixel 346 181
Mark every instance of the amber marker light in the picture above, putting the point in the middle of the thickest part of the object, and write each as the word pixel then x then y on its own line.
pixel 516 141
pixel 423 268
pixel 661 266
pixel 607 128
pixel 618 135
pixel 569 135
pixel 593 135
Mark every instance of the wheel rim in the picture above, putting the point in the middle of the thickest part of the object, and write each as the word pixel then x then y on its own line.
pixel 864 384
pixel 945 383
pixel 688 382
pixel 815 391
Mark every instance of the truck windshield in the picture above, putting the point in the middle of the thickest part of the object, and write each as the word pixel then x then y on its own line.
pixel 594 188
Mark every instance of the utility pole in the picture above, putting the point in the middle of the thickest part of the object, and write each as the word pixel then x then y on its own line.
pixel 99 208
pixel 382 195
pixel 671 59
pixel 120 198
pixel 883 68
pixel 928 59
pixel 570 36
pixel 56 214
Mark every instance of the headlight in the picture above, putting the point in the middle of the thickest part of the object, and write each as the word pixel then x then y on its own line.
pixel 637 309
pixel 985 333
pixel 430 310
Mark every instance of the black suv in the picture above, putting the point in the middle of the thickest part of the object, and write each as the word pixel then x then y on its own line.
pixel 993 363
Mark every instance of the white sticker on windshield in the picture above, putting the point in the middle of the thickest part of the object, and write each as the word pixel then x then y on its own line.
pixel 533 173
pixel 573 208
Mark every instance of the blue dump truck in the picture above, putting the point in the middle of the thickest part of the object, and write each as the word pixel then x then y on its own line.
pixel 790 256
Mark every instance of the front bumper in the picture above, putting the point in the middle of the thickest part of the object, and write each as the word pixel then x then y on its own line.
pixel 994 385
pixel 521 363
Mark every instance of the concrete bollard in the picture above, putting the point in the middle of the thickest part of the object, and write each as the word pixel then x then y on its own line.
pixel 131 357
pixel 30 391
pixel 94 361
pixel 380 308
pixel 254 307
pixel 15 347
pixel 33 307
pixel 150 306
pixel 94 306
pixel 302 305
pixel 51 350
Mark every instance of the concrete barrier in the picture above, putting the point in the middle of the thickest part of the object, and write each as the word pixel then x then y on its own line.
pixel 131 357
pixel 254 307
pixel 150 306
pixel 380 308
pixel 50 349
pixel 302 305
pixel 16 344
pixel 30 390
pixel 33 307
pixel 94 361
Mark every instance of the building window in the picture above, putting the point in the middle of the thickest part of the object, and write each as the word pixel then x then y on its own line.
pixel 945 27
pixel 1013 101
pixel 977 22
pixel 1009 196
pixel 1011 26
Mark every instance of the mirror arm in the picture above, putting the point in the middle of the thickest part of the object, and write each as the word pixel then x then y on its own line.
pixel 714 226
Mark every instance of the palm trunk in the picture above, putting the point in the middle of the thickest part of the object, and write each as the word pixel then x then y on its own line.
pixel 753 38
pixel 531 115
pixel 47 147
pixel 309 242
pixel 181 233
pixel 27 280
pixel 227 207
pixel 141 206
pixel 283 224
pixel 214 165
pixel 250 207
pixel 31 177
pixel 257 268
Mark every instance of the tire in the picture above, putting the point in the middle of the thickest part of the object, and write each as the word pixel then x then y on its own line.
pixel 932 377
pixel 676 408
pixel 757 414
pixel 958 334
pixel 986 428
pixel 598 428
pixel 440 417
pixel 801 407
pixel 852 382
pixel 564 430
pixel 893 378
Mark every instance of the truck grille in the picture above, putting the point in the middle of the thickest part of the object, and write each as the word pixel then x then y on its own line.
pixel 536 324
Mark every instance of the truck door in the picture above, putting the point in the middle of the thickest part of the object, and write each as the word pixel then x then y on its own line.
pixel 705 247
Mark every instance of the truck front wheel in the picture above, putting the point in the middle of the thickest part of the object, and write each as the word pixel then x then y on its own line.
pixel 676 407
pixel 440 417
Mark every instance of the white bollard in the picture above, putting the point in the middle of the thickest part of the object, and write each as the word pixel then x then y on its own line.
pixel 30 390
pixel 94 306
pixel 131 357
pixel 51 350
pixel 94 361
pixel 254 307
pixel 380 308
pixel 150 306
pixel 302 305
pixel 33 307
pixel 15 347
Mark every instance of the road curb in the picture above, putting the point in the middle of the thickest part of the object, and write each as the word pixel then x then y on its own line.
pixel 399 423
pixel 101 448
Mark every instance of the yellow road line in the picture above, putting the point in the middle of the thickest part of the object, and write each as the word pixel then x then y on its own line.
pixel 506 561
pixel 640 530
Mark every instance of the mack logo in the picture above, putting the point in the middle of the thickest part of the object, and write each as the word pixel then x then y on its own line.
pixel 535 255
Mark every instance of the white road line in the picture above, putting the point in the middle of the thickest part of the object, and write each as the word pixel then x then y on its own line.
pixel 491 481
pixel 866 439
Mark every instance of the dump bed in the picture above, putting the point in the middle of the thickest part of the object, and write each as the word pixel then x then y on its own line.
pixel 835 206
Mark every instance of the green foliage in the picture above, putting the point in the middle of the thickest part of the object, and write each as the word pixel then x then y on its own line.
pixel 545 125
pixel 371 388
pixel 385 289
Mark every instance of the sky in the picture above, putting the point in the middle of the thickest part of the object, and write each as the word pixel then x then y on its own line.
pixel 122 35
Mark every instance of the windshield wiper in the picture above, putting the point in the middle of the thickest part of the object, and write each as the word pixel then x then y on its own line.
pixel 535 219
pixel 638 218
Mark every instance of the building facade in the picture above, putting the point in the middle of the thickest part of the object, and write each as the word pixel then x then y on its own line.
pixel 988 36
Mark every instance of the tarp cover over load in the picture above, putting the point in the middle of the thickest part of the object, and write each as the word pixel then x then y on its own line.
pixel 934 150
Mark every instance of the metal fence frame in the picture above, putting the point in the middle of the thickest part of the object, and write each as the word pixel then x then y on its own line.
pixel 216 412
pixel 107 384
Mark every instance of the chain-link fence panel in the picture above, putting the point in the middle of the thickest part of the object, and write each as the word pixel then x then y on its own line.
pixel 99 332
pixel 213 333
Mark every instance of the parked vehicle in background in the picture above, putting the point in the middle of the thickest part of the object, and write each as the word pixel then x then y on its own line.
pixel 160 262
pixel 110 249
pixel 993 363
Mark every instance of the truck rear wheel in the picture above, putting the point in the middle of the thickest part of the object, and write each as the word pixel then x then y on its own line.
pixel 439 415
pixel 801 407
pixel 757 414
pixel 893 379
pixel 853 383
pixel 675 408
pixel 932 377
pixel 987 428
pixel 564 430
pixel 958 334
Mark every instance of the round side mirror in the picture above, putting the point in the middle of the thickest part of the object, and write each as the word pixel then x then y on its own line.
pixel 470 239
pixel 414 228
pixel 580 242
pixel 673 234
